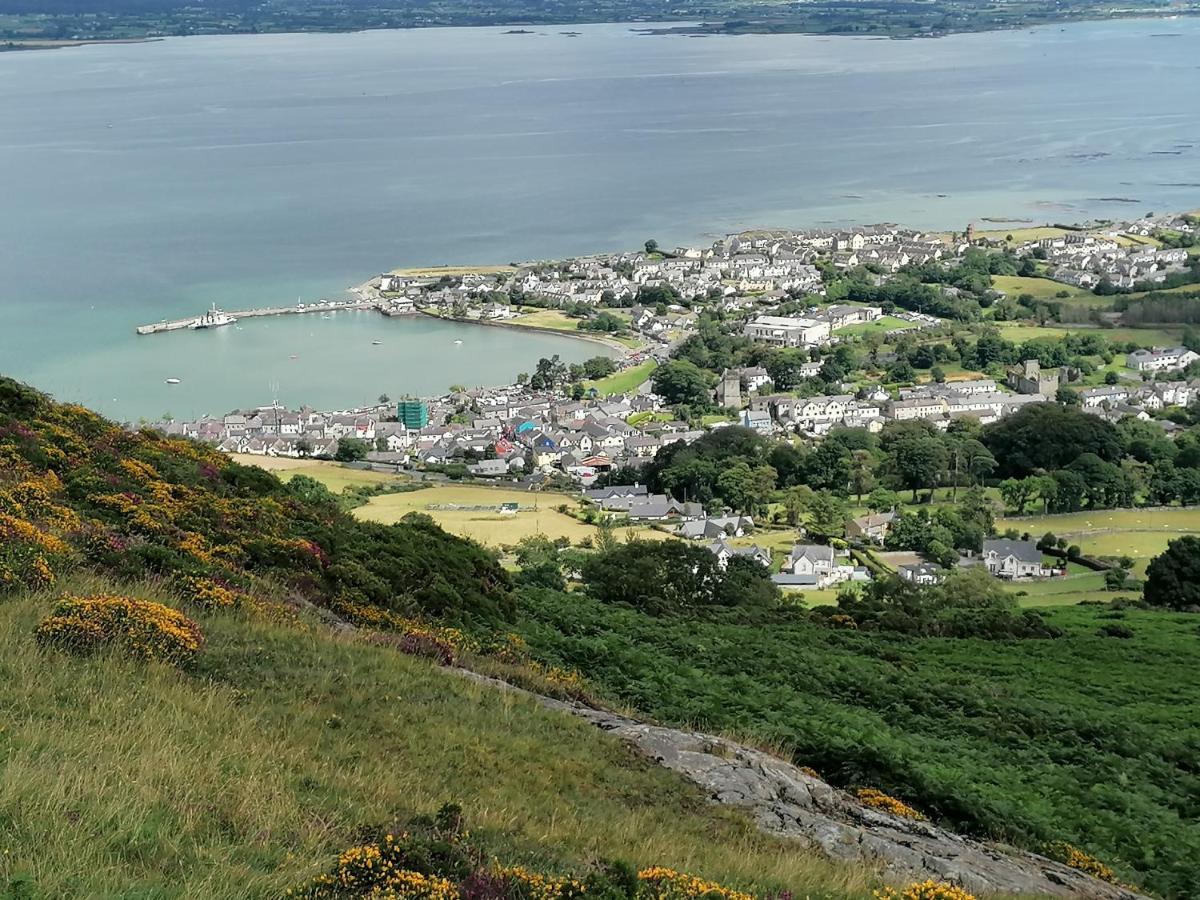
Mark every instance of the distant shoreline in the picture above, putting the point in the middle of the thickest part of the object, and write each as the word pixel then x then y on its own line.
pixel 687 27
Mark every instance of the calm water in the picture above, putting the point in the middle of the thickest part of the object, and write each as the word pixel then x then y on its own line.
pixel 144 181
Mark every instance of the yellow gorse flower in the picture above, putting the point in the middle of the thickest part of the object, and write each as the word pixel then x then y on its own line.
pixel 925 890
pixel 879 800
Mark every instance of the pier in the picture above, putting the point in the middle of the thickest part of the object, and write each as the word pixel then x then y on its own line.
pixel 326 307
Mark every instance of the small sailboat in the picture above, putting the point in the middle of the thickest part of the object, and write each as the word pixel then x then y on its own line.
pixel 376 343
pixel 173 381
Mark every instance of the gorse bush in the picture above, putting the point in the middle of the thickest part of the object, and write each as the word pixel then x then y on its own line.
pixel 925 890
pixel 434 859
pixel 138 628
pixel 76 488
pixel 1072 856
pixel 877 799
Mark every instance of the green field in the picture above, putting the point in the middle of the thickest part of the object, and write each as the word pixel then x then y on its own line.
pixel 624 381
pixel 1040 288
pixel 247 778
pixel 551 319
pixel 882 325
pixel 1146 337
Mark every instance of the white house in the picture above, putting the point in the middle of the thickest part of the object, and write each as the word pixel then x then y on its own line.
pixel 1013 559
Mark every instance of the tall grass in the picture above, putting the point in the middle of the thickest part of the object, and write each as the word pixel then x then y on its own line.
pixel 247 775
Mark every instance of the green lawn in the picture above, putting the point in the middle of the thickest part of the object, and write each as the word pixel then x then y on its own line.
pixel 624 381
pixel 882 325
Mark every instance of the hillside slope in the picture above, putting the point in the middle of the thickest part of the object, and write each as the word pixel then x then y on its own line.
pixel 248 775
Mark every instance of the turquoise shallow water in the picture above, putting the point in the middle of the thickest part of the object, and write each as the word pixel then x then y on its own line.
pixel 139 182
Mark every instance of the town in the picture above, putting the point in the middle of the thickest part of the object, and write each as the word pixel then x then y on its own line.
pixel 800 339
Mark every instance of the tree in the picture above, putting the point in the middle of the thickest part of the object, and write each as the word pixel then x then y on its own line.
pixel 918 461
pixel 1173 577
pixel 384 399
pixel 881 499
pixel 1048 436
pixel 651 246
pixel 826 516
pixel 682 382
pixel 1017 492
pixel 351 450
pixel 538 557
pixel 745 488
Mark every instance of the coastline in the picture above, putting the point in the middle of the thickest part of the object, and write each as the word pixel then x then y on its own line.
pixel 625 351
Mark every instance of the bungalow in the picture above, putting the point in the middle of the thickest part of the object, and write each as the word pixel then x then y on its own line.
pixel 1013 559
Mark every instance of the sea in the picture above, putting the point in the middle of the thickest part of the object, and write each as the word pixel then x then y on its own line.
pixel 147 181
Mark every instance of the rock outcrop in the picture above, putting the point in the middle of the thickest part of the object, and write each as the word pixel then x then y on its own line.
pixel 786 801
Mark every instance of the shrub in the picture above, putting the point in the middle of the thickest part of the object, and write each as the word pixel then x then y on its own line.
pixel 1072 856
pixel 879 800
pixel 428 646
pixel 926 890
pixel 139 628
pixel 209 593
pixel 1116 631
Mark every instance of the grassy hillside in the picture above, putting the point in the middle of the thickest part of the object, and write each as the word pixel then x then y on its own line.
pixel 248 775
pixel 246 770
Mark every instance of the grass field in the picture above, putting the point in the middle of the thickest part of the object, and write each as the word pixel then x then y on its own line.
pixel 624 381
pixel 1139 533
pixel 488 526
pixel 552 319
pixel 250 776
pixel 1146 337
pixel 1041 288
pixel 333 475
pixel 882 325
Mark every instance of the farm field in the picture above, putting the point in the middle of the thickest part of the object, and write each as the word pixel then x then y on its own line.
pixel 1139 533
pixel 488 526
pixel 333 475
pixel 626 380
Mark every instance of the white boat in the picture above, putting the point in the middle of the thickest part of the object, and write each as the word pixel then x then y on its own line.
pixel 213 318
pixel 173 381
pixel 458 342
pixel 376 343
